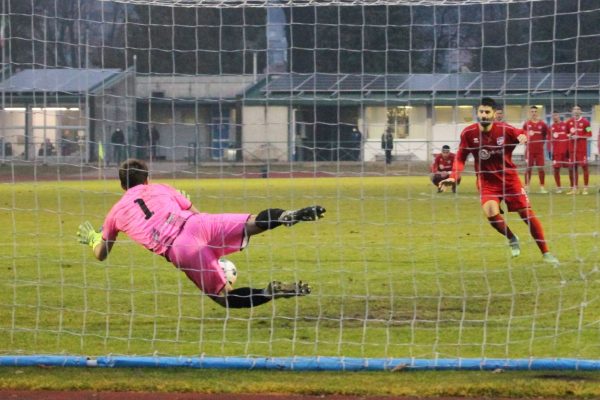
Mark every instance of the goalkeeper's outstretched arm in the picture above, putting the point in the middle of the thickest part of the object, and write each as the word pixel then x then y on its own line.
pixel 88 235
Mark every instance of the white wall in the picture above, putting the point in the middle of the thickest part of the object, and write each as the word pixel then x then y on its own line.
pixel 446 134
pixel 375 121
pixel 265 133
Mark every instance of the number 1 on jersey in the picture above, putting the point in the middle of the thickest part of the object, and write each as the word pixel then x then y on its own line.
pixel 144 208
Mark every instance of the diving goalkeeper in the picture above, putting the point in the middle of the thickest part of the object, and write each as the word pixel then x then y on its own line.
pixel 164 221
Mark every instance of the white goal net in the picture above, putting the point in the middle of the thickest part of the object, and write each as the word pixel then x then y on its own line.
pixel 248 105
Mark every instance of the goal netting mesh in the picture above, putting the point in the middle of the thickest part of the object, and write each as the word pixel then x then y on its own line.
pixel 253 104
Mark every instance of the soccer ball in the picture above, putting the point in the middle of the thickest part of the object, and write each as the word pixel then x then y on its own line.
pixel 229 270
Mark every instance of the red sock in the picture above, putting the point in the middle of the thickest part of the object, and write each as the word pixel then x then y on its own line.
pixel 499 224
pixel 542 175
pixel 535 228
pixel 586 175
pixel 575 177
pixel 557 176
pixel 527 176
pixel 571 179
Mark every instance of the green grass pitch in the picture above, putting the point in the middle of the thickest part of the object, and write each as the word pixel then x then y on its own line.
pixel 397 270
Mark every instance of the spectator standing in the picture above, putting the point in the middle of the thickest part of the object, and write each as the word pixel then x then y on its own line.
pixel 46 149
pixel 387 144
pixel 142 141
pixel 154 140
pixel 117 141
pixel 356 143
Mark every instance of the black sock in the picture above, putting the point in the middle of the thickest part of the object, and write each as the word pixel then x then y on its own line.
pixel 269 218
pixel 246 297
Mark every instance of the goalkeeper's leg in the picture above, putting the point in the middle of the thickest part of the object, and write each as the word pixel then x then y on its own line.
pixel 247 297
pixel 273 217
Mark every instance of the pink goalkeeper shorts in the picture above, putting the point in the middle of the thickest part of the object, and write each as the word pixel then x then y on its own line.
pixel 202 241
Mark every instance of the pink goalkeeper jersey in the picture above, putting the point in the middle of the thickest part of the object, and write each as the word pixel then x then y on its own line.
pixel 152 215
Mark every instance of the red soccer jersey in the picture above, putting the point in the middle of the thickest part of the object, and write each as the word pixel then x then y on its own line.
pixel 560 140
pixel 492 153
pixel 537 134
pixel 579 131
pixel 441 164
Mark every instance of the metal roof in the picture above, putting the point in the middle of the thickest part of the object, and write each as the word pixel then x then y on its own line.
pixel 67 80
pixel 499 83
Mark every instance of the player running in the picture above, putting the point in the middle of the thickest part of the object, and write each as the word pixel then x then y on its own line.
pixel 164 221
pixel 579 130
pixel 537 134
pixel 492 145
pixel 559 148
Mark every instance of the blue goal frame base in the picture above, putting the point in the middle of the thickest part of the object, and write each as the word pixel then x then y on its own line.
pixel 305 363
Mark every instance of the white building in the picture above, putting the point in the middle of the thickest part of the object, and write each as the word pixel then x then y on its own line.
pixel 64 114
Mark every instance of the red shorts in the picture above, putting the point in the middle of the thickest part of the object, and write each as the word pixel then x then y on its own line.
pixel 579 158
pixel 560 160
pixel 535 159
pixel 203 240
pixel 515 198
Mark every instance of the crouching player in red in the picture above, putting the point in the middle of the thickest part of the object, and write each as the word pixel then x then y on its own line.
pixel 492 145
pixel 164 221
pixel 442 166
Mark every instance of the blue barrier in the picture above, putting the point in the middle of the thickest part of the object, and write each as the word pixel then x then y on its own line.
pixel 305 363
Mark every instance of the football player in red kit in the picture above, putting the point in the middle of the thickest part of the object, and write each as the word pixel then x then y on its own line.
pixel 579 131
pixel 442 166
pixel 537 134
pixel 559 148
pixel 491 144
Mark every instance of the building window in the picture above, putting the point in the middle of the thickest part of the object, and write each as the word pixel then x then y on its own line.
pixel 443 114
pixel 58 131
pixel 464 114
pixel 514 114
pixel 398 121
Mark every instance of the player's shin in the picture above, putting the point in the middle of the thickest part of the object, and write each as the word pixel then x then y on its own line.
pixel 498 223
pixel 586 175
pixel 535 228
pixel 557 177
pixel 527 176
pixel 571 177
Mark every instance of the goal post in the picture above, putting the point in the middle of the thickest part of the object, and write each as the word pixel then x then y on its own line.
pixel 255 104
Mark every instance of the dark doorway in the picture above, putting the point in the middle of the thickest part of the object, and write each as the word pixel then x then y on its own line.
pixel 327 133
